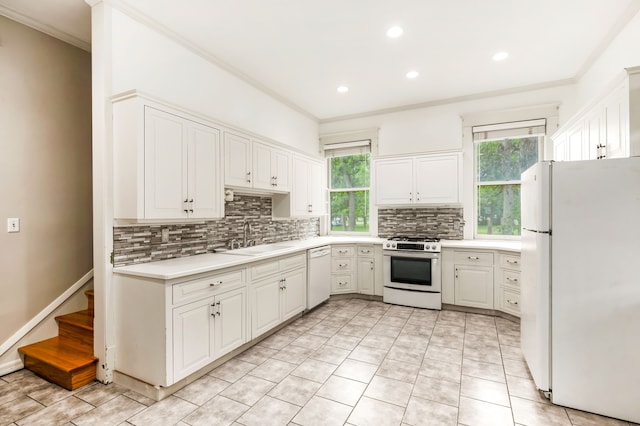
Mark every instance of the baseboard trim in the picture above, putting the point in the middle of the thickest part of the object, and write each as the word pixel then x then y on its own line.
pixel 11 366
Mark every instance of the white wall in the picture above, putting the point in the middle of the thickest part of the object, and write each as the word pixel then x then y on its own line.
pixel 149 61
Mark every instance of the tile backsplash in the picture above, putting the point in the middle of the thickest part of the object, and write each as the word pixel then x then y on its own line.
pixel 434 222
pixel 143 243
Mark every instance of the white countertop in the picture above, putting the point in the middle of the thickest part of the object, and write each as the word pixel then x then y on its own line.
pixel 483 244
pixel 184 266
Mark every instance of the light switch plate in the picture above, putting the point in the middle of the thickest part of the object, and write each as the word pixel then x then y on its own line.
pixel 13 224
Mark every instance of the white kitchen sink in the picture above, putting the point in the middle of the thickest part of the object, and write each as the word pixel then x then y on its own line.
pixel 258 250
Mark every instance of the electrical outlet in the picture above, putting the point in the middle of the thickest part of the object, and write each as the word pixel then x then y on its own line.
pixel 13 224
pixel 165 235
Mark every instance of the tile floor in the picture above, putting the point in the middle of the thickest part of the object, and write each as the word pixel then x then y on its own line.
pixel 351 362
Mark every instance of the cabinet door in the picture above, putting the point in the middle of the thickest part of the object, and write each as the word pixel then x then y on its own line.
pixel 393 181
pixel 366 270
pixel 315 188
pixel 262 173
pixel 230 321
pixel 615 124
pixel 281 169
pixel 294 293
pixel 575 143
pixel 237 160
pixel 474 286
pixel 300 188
pixel 193 337
pixel 560 147
pixel 203 183
pixel 437 179
pixel 265 305
pixel 165 170
pixel 593 134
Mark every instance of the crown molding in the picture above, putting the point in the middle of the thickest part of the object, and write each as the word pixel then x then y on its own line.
pixel 445 101
pixel 44 28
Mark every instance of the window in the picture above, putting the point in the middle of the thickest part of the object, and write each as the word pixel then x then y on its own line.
pixel 502 153
pixel 349 177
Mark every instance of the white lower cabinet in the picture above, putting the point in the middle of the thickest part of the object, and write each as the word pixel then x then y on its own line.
pixel 474 286
pixel 356 269
pixel 207 329
pixel 278 292
pixel 486 279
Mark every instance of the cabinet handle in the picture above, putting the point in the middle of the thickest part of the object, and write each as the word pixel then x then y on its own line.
pixel 417 196
pixel 512 302
pixel 513 262
pixel 456 272
pixel 273 181
pixel 215 283
pixel 342 283
pixel 473 258
pixel 410 197
pixel 191 205
pixel 342 251
pixel 515 280
pixel 186 205
pixel 310 208
pixel 365 251
pixel 213 313
pixel 372 265
pixel 343 265
pixel 218 305
pixel 249 177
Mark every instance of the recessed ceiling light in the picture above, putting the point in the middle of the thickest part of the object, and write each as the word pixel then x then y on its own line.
pixel 394 32
pixel 412 74
pixel 500 56
pixel 343 89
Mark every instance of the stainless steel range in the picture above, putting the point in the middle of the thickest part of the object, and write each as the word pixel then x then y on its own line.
pixel 412 274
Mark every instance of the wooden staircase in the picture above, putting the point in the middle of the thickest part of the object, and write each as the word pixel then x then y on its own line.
pixel 66 360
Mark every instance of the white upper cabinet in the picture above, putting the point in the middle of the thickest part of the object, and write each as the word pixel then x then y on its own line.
pixel 424 179
pixel 252 164
pixel 237 160
pixel 604 128
pixel 306 197
pixel 166 164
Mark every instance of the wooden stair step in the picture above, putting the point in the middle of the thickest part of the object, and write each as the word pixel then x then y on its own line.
pixel 77 326
pixel 90 302
pixel 60 361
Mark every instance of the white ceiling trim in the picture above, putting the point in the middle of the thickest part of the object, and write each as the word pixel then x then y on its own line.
pixel 137 15
pixel 465 98
pixel 615 30
pixel 44 28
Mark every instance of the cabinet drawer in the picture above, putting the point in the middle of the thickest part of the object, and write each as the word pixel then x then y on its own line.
pixel 511 261
pixel 365 251
pixel 341 264
pixel 264 270
pixel 510 301
pixel 341 283
pixel 511 278
pixel 292 262
pixel 473 258
pixel 204 287
pixel 338 251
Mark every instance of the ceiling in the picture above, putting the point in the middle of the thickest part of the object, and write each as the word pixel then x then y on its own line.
pixel 303 50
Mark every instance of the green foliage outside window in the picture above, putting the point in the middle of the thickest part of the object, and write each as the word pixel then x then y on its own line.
pixel 499 165
pixel 349 193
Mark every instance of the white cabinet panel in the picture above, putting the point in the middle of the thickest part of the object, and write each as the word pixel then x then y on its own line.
pixel 294 293
pixel 265 305
pixel 271 168
pixel 424 179
pixel 366 275
pixel 193 337
pixel 230 321
pixel 437 179
pixel 307 189
pixel 203 172
pixel 394 181
pixel 237 160
pixel 474 286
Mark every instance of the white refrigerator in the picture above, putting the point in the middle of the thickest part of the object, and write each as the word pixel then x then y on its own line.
pixel 580 284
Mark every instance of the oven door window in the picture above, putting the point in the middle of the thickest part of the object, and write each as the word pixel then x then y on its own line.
pixel 411 270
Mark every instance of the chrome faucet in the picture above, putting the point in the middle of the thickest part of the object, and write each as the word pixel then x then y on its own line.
pixel 246 229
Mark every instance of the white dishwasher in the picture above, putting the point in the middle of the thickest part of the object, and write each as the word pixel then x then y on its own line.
pixel 319 271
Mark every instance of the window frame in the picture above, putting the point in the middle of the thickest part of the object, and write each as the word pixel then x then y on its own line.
pixel 477 184
pixel 330 190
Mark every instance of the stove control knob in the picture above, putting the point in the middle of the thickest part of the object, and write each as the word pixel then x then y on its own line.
pixel 433 247
pixel 388 245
